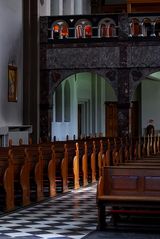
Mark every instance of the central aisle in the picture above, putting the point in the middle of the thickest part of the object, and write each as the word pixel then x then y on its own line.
pixel 71 215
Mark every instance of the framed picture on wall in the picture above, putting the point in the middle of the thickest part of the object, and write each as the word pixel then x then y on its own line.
pixel 12 83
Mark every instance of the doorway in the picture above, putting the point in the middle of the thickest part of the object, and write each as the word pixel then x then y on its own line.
pixel 111 119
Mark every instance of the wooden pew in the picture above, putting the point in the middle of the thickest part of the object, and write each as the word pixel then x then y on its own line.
pixel 141 162
pixel 150 146
pixel 91 167
pixel 119 158
pixel 83 162
pixel 32 170
pixel 31 167
pixel 54 170
pixel 107 158
pixel 35 172
pixel 61 160
pixel 100 147
pixel 95 157
pixel 21 176
pixel 93 162
pixel 117 151
pixel 73 164
pixel 100 158
pixel 128 190
pixel 7 179
pixel 145 164
pixel 70 165
pixel 76 167
pixel 47 154
pixel 85 165
pixel 105 153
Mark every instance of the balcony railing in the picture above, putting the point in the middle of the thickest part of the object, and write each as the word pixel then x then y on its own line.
pixel 86 27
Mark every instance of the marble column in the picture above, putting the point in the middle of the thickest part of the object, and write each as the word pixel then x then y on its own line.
pixel 31 66
pixel 130 30
pixel 153 29
pixel 68 7
pixel 123 94
pixel 56 7
pixel 45 107
pixel 60 2
pixel 45 8
pixel 78 8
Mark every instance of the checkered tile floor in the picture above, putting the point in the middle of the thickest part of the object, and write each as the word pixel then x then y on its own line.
pixel 71 215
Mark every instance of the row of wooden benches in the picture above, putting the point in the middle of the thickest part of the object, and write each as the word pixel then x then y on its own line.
pixel 129 186
pixel 39 168
pixel 29 172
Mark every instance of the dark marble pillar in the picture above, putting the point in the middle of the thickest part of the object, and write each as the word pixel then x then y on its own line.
pixel 123 104
pixel 45 106
pixel 49 79
pixel 123 119
pixel 123 94
pixel 26 60
pixel 45 123
pixel 31 66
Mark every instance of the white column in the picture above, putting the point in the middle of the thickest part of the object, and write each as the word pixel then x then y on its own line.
pixel 68 7
pixel 72 7
pixel 56 7
pixel 45 8
pixel 60 7
pixel 78 7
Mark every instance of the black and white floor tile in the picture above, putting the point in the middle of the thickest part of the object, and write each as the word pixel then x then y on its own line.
pixel 72 215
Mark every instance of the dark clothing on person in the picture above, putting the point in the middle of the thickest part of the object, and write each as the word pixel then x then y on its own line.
pixel 150 130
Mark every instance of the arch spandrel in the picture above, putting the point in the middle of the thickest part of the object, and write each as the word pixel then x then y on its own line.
pixel 137 76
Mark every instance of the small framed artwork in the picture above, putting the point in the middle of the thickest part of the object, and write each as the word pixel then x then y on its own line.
pixel 12 83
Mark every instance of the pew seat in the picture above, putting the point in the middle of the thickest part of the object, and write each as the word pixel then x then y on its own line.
pixel 125 190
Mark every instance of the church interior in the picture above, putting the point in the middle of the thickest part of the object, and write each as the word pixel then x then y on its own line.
pixel 79 119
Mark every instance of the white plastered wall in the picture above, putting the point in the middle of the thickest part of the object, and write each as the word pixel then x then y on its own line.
pixel 11 49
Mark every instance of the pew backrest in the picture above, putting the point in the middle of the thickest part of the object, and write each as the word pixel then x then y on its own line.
pixel 131 181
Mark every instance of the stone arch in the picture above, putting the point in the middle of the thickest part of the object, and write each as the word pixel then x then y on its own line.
pixel 57 76
pixel 135 27
pixel 133 77
pixel 83 28
pixel 137 75
pixel 52 79
pixel 59 29
pixel 107 28
pixel 108 76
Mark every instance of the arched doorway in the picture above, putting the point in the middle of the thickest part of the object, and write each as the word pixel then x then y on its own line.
pixel 85 98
